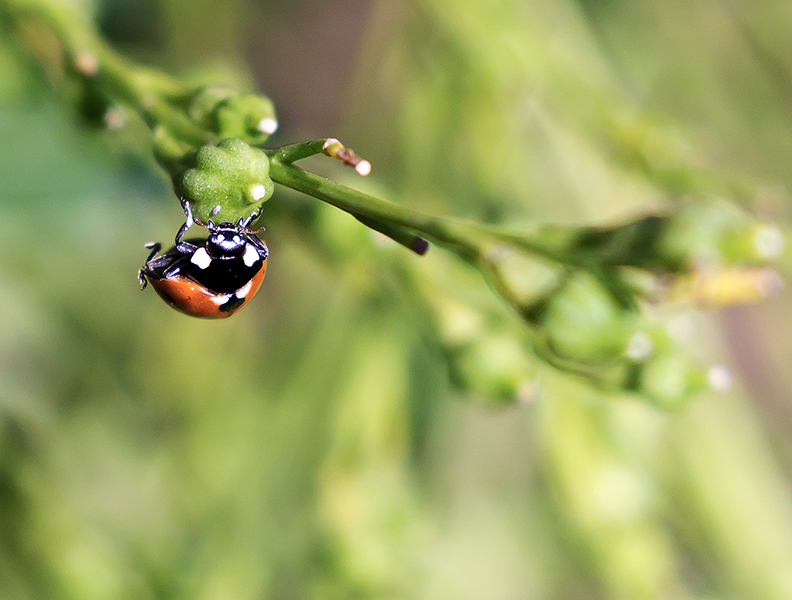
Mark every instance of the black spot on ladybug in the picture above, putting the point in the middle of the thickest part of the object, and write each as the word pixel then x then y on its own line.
pixel 233 303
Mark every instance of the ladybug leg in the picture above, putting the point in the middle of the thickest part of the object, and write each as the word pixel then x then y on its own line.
pixel 189 221
pixel 252 234
pixel 186 247
pixel 260 245
pixel 244 222
pixel 154 247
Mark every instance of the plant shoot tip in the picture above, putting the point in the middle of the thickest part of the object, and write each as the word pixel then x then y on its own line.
pixel 268 125
pixel 419 245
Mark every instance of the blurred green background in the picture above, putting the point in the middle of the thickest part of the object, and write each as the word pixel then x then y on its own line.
pixel 314 446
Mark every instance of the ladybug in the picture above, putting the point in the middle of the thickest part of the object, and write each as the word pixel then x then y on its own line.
pixel 210 278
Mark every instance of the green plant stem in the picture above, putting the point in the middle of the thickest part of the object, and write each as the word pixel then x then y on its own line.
pixel 156 98
pixel 142 90
pixel 467 239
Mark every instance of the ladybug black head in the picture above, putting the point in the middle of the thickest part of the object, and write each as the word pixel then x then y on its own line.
pixel 226 241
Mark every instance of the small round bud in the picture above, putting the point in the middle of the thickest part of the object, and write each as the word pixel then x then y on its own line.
pixel 714 232
pixel 584 322
pixel 230 114
pixel 495 367
pixel 226 182
pixel 669 379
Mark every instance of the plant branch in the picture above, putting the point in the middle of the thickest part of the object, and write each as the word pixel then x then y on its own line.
pixel 584 318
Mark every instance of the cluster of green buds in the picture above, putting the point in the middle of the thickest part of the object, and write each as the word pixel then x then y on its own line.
pixel 231 114
pixel 601 311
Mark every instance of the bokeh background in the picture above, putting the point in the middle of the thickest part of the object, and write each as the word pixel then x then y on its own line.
pixel 317 445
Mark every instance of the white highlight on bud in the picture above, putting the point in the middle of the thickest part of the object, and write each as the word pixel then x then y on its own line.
pixel 363 168
pixel 268 125
pixel 86 63
pixel 114 118
pixel 768 241
pixel 258 191
pixel 201 258
pixel 639 347
pixel 720 378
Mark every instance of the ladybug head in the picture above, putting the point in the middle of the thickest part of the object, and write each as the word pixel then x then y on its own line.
pixel 225 241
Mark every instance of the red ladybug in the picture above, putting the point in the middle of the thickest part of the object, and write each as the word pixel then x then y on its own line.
pixel 210 278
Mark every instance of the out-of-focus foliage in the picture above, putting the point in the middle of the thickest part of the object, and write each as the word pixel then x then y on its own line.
pixel 310 447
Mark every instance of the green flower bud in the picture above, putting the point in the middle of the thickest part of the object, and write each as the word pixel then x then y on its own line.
pixel 583 321
pixel 226 182
pixel 230 114
pixel 495 367
pixel 714 231
pixel 670 378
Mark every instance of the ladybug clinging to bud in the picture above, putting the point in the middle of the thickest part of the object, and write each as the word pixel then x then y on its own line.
pixel 211 278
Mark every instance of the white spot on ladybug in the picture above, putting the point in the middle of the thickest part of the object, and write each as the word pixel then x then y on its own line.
pixel 243 291
pixel 220 300
pixel 268 125
pixel 201 258
pixel 251 255
pixel 258 191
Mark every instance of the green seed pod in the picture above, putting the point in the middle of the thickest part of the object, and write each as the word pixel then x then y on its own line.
pixel 230 114
pixel 495 367
pixel 226 182
pixel 670 378
pixel 583 321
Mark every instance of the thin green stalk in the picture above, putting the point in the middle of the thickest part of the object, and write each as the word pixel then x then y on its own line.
pixel 466 239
